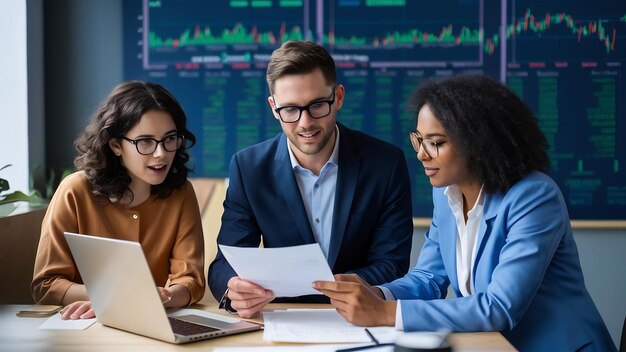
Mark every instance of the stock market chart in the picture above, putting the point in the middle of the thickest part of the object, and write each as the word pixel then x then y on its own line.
pixel 564 58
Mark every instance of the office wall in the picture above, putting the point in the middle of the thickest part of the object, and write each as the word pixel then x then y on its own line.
pixel 83 47
pixel 83 62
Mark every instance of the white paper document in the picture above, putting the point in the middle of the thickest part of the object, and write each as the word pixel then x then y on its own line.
pixel 287 271
pixel 318 326
pixel 299 348
pixel 56 323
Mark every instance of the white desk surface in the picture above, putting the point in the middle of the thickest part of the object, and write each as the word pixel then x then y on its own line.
pixel 22 334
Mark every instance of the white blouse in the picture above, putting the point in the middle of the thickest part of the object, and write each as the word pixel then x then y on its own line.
pixel 467 236
pixel 466 239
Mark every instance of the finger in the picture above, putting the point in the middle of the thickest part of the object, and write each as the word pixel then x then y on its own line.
pixel 68 310
pixel 238 296
pixel 89 314
pixel 241 286
pixel 166 295
pixel 325 286
pixel 329 293
pixel 336 296
pixel 250 312
pixel 339 305
pixel 348 278
pixel 337 286
pixel 83 308
pixel 249 303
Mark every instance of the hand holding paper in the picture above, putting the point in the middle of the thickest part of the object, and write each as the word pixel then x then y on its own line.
pixel 287 271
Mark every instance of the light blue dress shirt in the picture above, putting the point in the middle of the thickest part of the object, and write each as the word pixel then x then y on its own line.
pixel 318 194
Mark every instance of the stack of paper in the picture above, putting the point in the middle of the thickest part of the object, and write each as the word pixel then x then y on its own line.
pixel 318 326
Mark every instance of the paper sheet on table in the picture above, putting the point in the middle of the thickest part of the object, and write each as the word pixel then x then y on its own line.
pixel 287 271
pixel 318 326
pixel 56 323
pixel 299 348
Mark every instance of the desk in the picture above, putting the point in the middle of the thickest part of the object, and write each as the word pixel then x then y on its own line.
pixel 22 334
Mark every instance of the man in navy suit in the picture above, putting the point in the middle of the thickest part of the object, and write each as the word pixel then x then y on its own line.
pixel 317 182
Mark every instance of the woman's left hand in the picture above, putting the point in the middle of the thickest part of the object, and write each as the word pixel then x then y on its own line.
pixel 78 310
pixel 165 294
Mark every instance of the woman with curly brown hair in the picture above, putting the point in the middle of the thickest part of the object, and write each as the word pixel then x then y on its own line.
pixel 131 185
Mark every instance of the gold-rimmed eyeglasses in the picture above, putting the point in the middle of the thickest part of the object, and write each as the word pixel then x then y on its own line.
pixel 430 147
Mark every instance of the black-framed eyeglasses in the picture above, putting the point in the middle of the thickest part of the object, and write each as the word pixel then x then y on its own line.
pixel 430 147
pixel 316 109
pixel 147 146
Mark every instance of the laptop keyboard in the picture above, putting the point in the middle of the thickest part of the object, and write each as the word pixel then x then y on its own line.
pixel 186 328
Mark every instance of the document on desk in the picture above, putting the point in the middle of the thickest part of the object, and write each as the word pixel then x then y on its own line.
pixel 287 271
pixel 56 323
pixel 301 348
pixel 318 326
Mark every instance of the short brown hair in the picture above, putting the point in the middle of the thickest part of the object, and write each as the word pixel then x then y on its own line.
pixel 300 57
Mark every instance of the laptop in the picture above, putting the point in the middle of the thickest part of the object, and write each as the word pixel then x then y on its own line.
pixel 124 295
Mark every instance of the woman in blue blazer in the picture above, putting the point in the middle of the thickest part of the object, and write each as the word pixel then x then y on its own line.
pixel 500 233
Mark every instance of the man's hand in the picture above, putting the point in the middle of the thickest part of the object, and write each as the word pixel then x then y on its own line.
pixel 246 297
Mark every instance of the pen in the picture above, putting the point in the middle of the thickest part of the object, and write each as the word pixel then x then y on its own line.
pixel 372 337
pixel 359 348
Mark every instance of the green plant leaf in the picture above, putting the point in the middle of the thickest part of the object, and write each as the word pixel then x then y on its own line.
pixel 18 196
pixel 4 185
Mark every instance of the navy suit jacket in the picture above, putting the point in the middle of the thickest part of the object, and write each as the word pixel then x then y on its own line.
pixel 527 278
pixel 372 224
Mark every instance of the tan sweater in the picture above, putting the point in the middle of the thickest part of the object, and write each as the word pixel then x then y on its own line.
pixel 169 230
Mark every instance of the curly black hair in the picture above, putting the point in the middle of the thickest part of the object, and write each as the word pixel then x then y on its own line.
pixel 119 113
pixel 493 129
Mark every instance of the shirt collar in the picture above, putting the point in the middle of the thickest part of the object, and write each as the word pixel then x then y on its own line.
pixel 456 197
pixel 334 156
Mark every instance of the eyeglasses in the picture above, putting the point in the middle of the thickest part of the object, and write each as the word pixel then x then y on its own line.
pixel 430 147
pixel 316 109
pixel 147 146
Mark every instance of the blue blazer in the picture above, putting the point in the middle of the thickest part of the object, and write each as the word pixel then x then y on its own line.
pixel 372 224
pixel 527 278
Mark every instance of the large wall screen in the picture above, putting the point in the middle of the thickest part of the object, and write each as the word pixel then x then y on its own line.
pixel 564 58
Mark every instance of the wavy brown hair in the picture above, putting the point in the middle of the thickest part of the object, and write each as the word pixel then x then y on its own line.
pixel 119 113
pixel 494 130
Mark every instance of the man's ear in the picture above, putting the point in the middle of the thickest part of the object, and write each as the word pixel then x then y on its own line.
pixel 115 146
pixel 270 100
pixel 340 93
